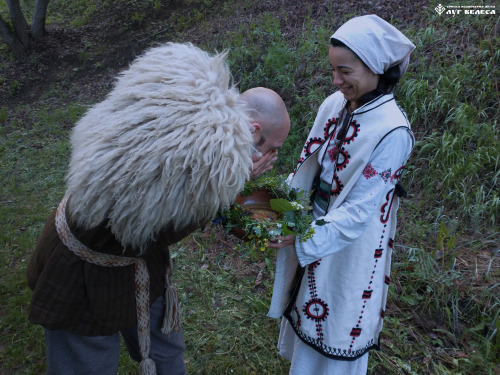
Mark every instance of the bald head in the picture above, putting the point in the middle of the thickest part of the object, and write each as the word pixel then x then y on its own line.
pixel 270 119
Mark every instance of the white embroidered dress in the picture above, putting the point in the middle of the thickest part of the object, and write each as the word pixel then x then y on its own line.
pixel 337 308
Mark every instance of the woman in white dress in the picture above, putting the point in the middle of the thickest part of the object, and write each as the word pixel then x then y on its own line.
pixel 331 290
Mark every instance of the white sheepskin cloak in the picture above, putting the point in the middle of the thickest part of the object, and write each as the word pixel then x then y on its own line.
pixel 168 147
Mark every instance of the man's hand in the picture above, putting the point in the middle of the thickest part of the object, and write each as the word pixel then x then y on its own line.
pixel 264 163
pixel 282 241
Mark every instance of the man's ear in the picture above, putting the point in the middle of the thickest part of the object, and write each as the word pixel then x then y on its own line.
pixel 255 128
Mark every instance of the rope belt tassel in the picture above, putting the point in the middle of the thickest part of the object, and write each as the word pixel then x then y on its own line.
pixel 172 318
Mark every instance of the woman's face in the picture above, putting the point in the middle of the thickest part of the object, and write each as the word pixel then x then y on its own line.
pixel 350 75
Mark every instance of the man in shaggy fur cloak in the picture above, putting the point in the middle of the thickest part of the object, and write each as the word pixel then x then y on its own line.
pixel 168 148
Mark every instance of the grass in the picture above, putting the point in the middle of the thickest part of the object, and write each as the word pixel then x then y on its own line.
pixel 225 324
pixel 34 156
pixel 444 305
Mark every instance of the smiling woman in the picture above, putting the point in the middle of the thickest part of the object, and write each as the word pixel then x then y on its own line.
pixel 333 305
pixel 353 78
pixel 356 80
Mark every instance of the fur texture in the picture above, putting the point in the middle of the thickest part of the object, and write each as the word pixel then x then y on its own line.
pixel 168 147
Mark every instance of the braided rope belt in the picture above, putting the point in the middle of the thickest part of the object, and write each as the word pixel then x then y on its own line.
pixel 172 313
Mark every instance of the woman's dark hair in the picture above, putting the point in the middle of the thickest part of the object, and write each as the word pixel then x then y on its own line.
pixel 387 82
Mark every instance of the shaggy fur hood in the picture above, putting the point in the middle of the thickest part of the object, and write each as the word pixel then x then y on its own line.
pixel 168 147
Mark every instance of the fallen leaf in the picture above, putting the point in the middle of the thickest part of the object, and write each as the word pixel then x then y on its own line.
pixel 259 278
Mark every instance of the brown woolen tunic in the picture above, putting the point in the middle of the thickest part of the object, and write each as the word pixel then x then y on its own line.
pixel 74 295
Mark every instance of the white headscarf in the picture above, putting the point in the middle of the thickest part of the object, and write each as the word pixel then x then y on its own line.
pixel 376 42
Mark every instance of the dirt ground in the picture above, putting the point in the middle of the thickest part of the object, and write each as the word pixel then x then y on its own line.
pixel 87 58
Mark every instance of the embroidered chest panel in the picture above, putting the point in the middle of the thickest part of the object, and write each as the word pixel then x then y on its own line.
pixel 350 154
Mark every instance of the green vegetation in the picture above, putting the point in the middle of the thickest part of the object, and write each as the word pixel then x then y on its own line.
pixel 288 212
pixel 444 305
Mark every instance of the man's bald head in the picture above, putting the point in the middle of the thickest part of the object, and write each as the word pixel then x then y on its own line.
pixel 270 119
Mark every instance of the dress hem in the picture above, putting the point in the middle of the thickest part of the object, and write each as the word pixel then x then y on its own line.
pixel 350 355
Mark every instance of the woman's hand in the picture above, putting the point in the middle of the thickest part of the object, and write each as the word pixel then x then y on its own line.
pixel 282 241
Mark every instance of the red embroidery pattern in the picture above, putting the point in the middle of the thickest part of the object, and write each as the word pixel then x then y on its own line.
pixel 369 171
pixel 315 309
pixel 386 175
pixel 352 132
pixel 337 186
pixel 331 124
pixel 333 152
pixel 342 159
pixel 312 145
pixel 386 207
pixel 398 173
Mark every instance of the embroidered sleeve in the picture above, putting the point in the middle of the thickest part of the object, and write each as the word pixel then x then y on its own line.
pixel 349 221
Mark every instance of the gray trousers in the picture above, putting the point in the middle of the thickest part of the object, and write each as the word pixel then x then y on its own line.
pixel 71 354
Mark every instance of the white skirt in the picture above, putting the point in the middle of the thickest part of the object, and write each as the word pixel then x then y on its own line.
pixel 305 360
